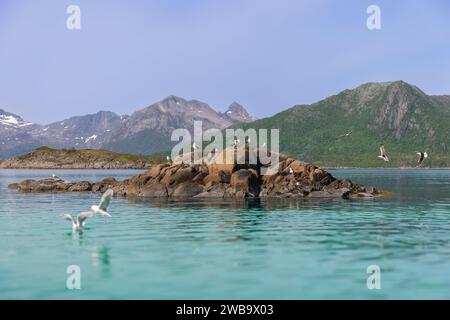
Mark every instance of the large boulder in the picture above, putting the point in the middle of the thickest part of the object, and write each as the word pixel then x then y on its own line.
pixel 179 176
pixel 220 190
pixel 154 171
pixel 156 190
pixel 245 183
pixel 81 186
pixel 104 185
pixel 217 177
pixel 187 190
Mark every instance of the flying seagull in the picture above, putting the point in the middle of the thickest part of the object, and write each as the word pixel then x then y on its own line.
pixel 383 153
pixel 102 209
pixel 423 156
pixel 345 135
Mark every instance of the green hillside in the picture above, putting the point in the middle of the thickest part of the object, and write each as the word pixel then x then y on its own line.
pixel 397 114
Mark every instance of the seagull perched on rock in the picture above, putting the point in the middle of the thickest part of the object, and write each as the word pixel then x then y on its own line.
pixel 383 153
pixel 102 209
pixel 55 177
pixel 423 156
pixel 168 159
pixel 291 171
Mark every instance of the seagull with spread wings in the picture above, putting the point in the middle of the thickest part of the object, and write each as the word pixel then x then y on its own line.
pixel 78 223
pixel 423 156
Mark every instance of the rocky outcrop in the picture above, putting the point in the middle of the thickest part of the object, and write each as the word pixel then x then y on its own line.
pixel 294 179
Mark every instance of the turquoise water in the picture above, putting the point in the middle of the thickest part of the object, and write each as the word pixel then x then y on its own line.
pixel 230 250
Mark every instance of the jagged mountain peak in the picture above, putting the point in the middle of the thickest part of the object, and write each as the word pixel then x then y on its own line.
pixel 237 113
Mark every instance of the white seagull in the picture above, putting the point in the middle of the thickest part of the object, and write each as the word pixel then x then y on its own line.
pixel 291 171
pixel 345 135
pixel 423 156
pixel 383 153
pixel 194 146
pixel 102 209
pixel 168 158
pixel 55 177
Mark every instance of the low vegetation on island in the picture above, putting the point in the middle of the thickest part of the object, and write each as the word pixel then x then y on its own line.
pixel 48 158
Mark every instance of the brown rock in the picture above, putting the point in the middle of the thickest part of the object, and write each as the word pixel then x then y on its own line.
pixel 156 170
pixel 180 176
pixel 215 177
pixel 156 190
pixel 244 181
pixel 221 167
pixel 298 166
pixel 81 186
pixel 339 193
pixel 187 190
pixel 220 190
pixel 346 184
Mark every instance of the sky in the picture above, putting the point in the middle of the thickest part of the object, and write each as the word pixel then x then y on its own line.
pixel 266 55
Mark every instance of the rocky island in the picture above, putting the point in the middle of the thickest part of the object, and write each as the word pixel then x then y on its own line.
pixel 48 158
pixel 294 179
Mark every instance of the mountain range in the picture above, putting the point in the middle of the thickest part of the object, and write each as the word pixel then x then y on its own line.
pixel 143 132
pixel 345 129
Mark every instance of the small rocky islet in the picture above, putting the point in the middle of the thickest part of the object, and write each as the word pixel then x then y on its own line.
pixel 294 179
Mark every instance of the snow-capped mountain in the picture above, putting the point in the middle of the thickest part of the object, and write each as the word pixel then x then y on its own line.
pixel 89 131
pixel 12 120
pixel 144 131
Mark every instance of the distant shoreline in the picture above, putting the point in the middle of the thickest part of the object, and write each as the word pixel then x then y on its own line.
pixel 48 158
pixel 392 168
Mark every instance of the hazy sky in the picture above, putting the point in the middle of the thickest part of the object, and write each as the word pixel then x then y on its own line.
pixel 267 55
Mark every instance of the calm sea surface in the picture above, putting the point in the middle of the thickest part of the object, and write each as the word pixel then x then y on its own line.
pixel 230 250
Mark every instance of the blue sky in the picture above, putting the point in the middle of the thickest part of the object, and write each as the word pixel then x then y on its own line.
pixel 267 55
